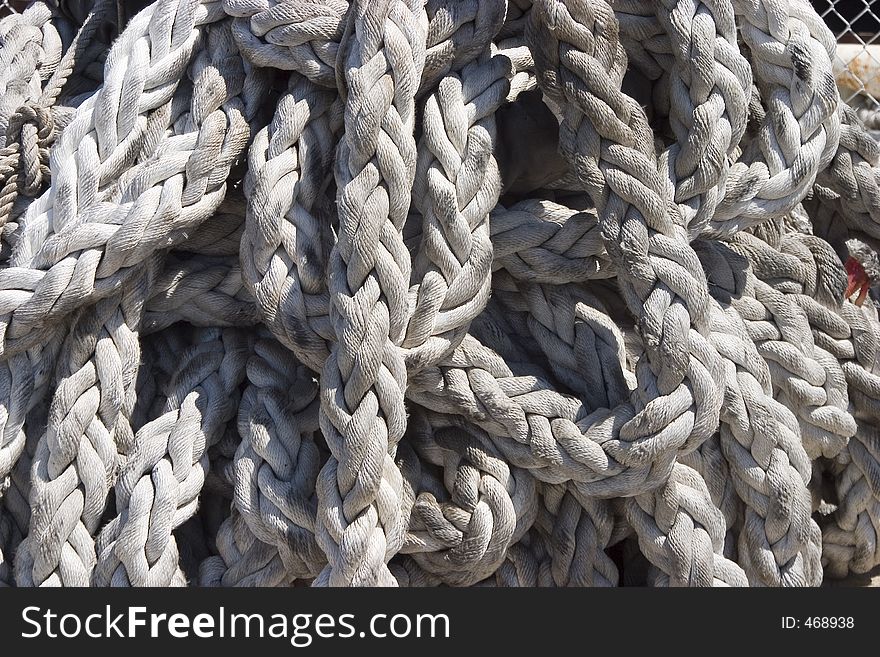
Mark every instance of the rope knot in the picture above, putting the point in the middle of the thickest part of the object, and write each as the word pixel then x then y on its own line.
pixel 29 135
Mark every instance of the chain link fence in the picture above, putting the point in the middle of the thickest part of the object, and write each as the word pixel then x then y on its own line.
pixel 6 8
pixel 856 25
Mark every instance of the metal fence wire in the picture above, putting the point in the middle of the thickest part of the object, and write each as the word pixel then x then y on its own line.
pixel 6 7
pixel 855 24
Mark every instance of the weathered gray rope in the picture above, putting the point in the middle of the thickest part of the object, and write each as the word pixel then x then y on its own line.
pixel 201 290
pixel 31 49
pixel 566 58
pixel 244 560
pixel 709 87
pixel 456 186
pixel 305 36
pixel 854 173
pixel 277 462
pixel 851 335
pixel 527 565
pixel 104 253
pixel 32 128
pixel 285 246
pixel 298 36
pixel 24 380
pixel 15 510
pixel 84 377
pixel 463 539
pixel 544 242
pixel 780 544
pixel 89 427
pixel 600 350
pixel 682 533
pixel 478 361
pixel 800 134
pixel 158 487
pixel 810 378
pixel 790 55
pixel 579 530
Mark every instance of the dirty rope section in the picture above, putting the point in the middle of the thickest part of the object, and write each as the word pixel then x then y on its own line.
pixel 385 292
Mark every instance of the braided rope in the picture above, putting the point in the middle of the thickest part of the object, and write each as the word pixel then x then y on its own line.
pixel 571 48
pixel 506 293
pixel 31 128
pixel 277 462
pixel 850 335
pixel 76 460
pixel 157 489
pixel 55 291
pixel 464 539
pixel 362 413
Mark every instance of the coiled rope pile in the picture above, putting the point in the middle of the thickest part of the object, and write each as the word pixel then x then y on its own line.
pixel 386 292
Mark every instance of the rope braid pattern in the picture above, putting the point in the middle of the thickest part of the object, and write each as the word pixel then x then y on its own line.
pixel 89 427
pixel 34 125
pixel 277 462
pixel 573 47
pixel 157 489
pixel 405 293
pixel 363 381
pixel 53 246
pixel 850 334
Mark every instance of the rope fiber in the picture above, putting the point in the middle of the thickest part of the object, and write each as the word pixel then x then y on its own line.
pixel 434 292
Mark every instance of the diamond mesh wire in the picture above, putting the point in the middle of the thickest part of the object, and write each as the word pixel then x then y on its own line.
pixel 7 8
pixel 856 25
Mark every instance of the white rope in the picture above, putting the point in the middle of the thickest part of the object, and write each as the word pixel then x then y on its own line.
pixel 403 293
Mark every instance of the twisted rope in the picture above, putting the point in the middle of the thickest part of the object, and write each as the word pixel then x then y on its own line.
pixel 384 292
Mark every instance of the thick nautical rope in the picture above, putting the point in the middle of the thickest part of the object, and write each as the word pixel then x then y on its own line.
pixel 304 36
pixel 805 570
pixel 277 462
pixel 24 380
pixel 572 42
pixel 31 128
pixel 575 335
pixel 639 358
pixel 30 49
pixel 89 428
pixel 579 530
pixel 790 51
pixel 666 548
pixel 363 381
pixel 545 242
pixel 455 187
pixel 40 284
pixel 682 533
pixel 463 539
pixel 158 487
pixel 809 378
pixel 286 243
pixel 807 268
pixel 62 449
pixel 710 83
pixel 598 341
pixel 201 290
pixel 243 559
pixel 780 544
pixel 284 250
